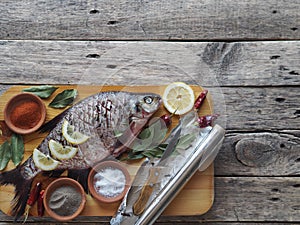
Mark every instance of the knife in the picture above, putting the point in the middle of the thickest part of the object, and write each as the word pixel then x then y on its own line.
pixel 154 172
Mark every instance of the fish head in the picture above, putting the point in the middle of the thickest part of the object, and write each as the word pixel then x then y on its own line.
pixel 145 105
pixel 142 107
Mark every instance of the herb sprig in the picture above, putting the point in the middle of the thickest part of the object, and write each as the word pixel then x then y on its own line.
pixel 150 142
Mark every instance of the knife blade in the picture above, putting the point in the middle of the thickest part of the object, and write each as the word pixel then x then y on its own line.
pixel 140 204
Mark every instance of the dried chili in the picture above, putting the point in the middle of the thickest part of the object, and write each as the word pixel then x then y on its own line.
pixel 40 204
pixel 205 121
pixel 200 99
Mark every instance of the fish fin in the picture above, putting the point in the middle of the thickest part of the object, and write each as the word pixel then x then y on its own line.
pixel 22 190
pixel 81 175
pixel 52 123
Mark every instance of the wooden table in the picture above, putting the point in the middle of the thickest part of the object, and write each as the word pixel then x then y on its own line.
pixel 251 47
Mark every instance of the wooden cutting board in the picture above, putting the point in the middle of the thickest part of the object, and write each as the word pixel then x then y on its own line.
pixel 195 198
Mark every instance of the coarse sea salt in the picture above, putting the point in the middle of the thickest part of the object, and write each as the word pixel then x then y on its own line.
pixel 109 182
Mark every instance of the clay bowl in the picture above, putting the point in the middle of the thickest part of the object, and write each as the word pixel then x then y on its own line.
pixel 105 177
pixel 18 100
pixel 52 187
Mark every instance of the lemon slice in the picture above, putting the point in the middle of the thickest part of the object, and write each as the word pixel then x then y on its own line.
pixel 43 161
pixel 178 98
pixel 72 136
pixel 60 152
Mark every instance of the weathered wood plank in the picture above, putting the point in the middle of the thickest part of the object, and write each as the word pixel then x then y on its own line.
pixel 233 64
pixel 256 109
pixel 144 20
pixel 237 199
pixel 259 154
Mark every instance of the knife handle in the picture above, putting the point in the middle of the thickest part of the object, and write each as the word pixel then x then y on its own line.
pixel 140 205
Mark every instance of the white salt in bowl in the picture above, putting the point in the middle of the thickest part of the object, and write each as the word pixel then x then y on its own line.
pixel 108 181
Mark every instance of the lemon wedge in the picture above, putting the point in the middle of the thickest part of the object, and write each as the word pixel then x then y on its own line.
pixel 43 161
pixel 178 98
pixel 61 152
pixel 72 136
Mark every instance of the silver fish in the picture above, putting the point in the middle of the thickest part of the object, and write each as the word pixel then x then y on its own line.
pixel 102 117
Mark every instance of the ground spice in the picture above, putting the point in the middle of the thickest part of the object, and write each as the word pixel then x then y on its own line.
pixel 26 115
pixel 65 201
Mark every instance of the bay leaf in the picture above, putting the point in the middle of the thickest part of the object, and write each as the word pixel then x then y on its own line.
pixel 64 99
pixel 17 149
pixel 148 154
pixel 132 156
pixel 149 141
pixel 5 154
pixel 43 91
pixel 154 153
pixel 185 141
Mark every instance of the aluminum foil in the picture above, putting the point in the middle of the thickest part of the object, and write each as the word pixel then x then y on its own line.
pixel 178 169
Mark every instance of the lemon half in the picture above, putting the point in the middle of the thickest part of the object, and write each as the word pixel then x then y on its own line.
pixel 61 152
pixel 72 136
pixel 43 161
pixel 178 98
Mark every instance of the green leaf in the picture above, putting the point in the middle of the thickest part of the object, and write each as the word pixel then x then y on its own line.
pixel 149 142
pixel 148 154
pixel 163 146
pixel 43 91
pixel 5 154
pixel 145 133
pixel 64 99
pixel 17 149
pixel 139 146
pixel 159 136
pixel 154 153
pixel 131 156
pixel 185 141
pixel 144 140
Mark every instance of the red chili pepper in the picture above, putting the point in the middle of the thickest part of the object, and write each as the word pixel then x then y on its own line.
pixel 32 199
pixel 34 194
pixel 40 204
pixel 199 101
pixel 207 120
pixel 167 119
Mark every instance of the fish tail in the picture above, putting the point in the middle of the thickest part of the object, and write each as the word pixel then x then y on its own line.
pixel 22 189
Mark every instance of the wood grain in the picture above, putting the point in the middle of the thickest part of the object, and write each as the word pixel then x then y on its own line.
pixel 235 202
pixel 149 20
pixel 259 154
pixel 118 63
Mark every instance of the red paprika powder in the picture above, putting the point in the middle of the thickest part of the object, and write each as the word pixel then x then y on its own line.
pixel 26 115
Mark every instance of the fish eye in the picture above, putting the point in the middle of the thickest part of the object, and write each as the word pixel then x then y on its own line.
pixel 148 99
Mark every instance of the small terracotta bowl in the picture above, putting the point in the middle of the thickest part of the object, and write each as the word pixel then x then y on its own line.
pixel 106 177
pixel 58 183
pixel 16 101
